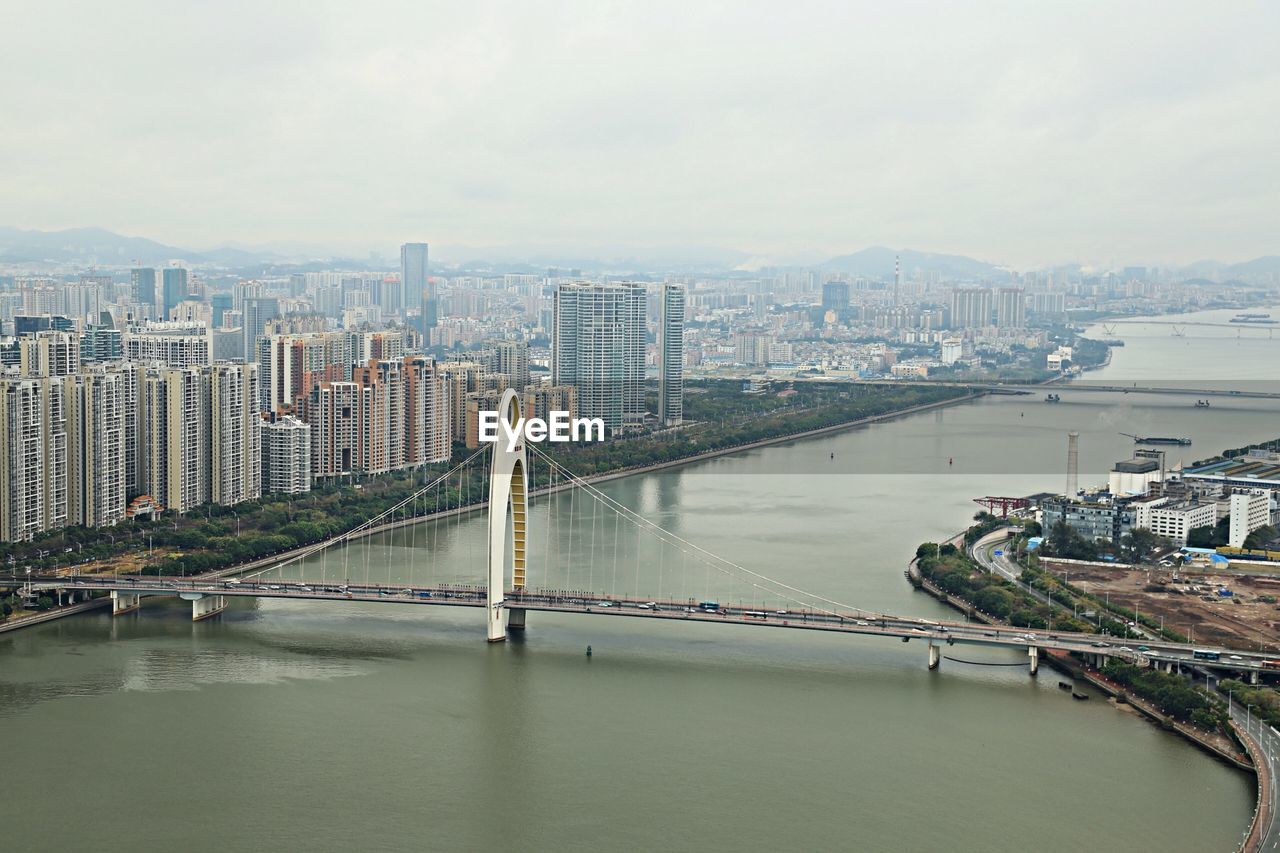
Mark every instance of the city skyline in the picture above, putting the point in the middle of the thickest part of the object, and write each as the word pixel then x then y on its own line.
pixel 1025 139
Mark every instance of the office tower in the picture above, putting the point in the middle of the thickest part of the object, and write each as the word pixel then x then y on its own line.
pixel 257 311
pixel 1011 308
pixel 176 403
pixel 426 428
pixel 49 354
pixel 142 288
pixel 219 305
pixel 33 457
pixel 297 286
pixel 671 355
pixel 97 419
pixel 286 456
pixel 236 453
pixel 598 347
pixel 413 278
pixel 26 324
pixel 175 289
pixel 970 307
pixel 835 296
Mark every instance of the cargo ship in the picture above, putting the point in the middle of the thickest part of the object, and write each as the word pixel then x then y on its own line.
pixel 1139 439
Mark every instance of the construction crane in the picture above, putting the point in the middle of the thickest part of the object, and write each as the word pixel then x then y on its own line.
pixel 1004 504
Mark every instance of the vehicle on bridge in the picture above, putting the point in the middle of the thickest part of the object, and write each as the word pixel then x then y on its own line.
pixel 1205 654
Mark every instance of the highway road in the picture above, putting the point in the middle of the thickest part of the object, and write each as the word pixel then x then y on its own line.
pixel 937 632
pixel 1267 829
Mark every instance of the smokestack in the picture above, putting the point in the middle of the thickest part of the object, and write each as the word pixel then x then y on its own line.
pixel 1073 464
pixel 897 279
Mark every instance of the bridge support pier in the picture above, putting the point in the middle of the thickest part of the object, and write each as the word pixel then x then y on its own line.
pixel 207 606
pixel 515 619
pixel 124 602
pixel 935 655
pixel 1253 677
pixel 1033 652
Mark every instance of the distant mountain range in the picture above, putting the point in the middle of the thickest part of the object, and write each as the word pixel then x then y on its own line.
pixel 878 262
pixel 100 247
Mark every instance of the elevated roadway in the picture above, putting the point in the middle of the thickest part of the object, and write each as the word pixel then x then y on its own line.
pixel 935 633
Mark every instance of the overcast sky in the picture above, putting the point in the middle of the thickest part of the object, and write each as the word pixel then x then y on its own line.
pixel 1020 133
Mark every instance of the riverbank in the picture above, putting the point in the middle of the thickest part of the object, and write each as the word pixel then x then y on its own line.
pixel 1064 663
pixel 629 471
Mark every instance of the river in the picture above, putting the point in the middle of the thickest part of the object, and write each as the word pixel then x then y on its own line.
pixel 313 726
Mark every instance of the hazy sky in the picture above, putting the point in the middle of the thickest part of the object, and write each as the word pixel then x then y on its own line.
pixel 1021 133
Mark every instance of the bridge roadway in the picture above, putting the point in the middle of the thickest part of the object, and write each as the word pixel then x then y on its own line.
pixel 939 632
pixel 1060 386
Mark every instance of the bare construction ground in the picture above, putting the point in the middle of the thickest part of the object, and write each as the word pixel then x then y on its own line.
pixel 1189 601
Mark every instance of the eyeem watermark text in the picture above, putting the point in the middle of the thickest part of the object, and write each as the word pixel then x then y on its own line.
pixel 560 426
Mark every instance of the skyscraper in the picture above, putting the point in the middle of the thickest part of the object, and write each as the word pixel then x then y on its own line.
pixel 142 283
pixel 671 354
pixel 970 308
pixel 835 296
pixel 96 423
pixel 286 456
pixel 598 347
pixel 235 436
pixel 257 311
pixel 413 277
pixel 1011 308
pixel 511 358
pixel 33 457
pixel 175 289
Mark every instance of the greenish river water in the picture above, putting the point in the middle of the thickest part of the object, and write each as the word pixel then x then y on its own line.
pixel 315 726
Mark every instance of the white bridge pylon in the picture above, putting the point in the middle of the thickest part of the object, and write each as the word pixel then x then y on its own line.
pixel 508 497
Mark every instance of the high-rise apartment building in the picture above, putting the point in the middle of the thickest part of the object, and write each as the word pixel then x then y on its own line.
pixel 169 344
pixel 97 420
pixel 292 363
pixel 671 355
pixel 970 307
pixel 598 347
pixel 49 354
pixel 413 279
pixel 427 436
pixel 235 434
pixel 175 289
pixel 511 359
pixel 178 439
pixel 33 457
pixel 286 456
pixel 1011 308
pixel 460 379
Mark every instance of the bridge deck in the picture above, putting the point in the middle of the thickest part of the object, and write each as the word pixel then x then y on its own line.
pixel 939 632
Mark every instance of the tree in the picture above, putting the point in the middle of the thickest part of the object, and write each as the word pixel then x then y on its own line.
pixel 6 610
pixel 44 602
pixel 998 602
pixel 1138 543
pixel 927 549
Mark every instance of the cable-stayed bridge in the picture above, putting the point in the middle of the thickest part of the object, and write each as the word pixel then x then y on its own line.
pixel 556 543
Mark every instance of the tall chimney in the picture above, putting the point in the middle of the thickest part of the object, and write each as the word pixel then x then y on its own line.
pixel 1073 464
